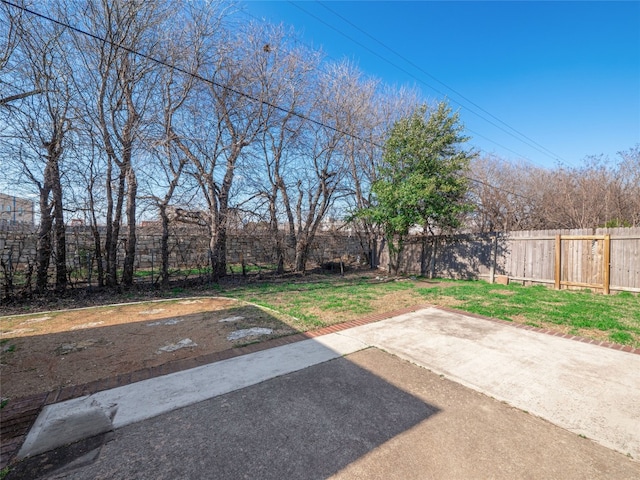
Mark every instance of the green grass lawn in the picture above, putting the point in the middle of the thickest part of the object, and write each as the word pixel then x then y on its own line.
pixel 614 318
pixel 315 301
pixel 327 302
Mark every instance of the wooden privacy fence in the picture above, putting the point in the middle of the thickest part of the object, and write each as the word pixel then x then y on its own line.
pixel 601 259
pixel 592 265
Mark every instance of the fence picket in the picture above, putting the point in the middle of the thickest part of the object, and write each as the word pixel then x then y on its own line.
pixel 530 256
pixel 526 256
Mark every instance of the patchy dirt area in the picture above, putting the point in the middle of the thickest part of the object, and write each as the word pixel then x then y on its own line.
pixel 42 352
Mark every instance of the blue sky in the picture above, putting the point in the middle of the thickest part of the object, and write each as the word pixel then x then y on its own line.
pixel 565 74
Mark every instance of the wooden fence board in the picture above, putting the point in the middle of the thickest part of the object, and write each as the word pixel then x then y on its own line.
pixel 625 255
pixel 527 256
pixel 530 256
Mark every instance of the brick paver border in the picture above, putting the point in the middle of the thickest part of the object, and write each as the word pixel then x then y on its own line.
pixel 19 415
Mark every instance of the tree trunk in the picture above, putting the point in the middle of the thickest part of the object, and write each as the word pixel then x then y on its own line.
pixel 95 231
pixel 279 249
pixel 164 245
pixel 61 255
pixel 218 253
pixel 375 253
pixel 113 234
pixel 60 230
pixel 434 251
pixel 44 248
pixel 302 254
pixel 219 242
pixel 273 227
pixel 395 253
pixel 110 276
pixel 98 254
pixel 423 256
pixel 130 253
pixel 399 254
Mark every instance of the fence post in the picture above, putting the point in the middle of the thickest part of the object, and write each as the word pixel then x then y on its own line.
pixel 606 264
pixel 494 255
pixel 558 261
pixel 432 260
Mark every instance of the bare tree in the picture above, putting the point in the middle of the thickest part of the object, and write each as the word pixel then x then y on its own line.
pixel 88 172
pixel 224 117
pixel 506 195
pixel 40 128
pixel 186 52
pixel 518 196
pixel 13 89
pixel 286 73
pixel 318 177
pixel 119 83
pixel 580 197
pixel 629 174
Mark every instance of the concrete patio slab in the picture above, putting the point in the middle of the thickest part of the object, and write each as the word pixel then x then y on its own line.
pixel 588 390
pixel 369 415
pixel 592 393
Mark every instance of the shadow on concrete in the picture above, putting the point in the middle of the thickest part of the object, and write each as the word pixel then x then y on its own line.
pixel 310 423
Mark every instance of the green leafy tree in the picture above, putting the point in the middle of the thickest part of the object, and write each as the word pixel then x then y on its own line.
pixel 421 180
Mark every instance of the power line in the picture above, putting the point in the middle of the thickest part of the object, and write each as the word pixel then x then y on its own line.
pixel 468 129
pixel 419 80
pixel 496 143
pixel 437 80
pixel 181 70
pixel 212 82
pixel 486 184
pixel 530 142
pixel 477 134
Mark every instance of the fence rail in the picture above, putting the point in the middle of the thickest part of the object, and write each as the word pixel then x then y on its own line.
pixel 532 257
pixel 527 256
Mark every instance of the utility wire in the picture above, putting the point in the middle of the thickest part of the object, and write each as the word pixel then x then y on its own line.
pixel 486 184
pixel 495 143
pixel 419 80
pixel 550 153
pixel 212 82
pixel 244 12
pixel 182 70
pixel 533 144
